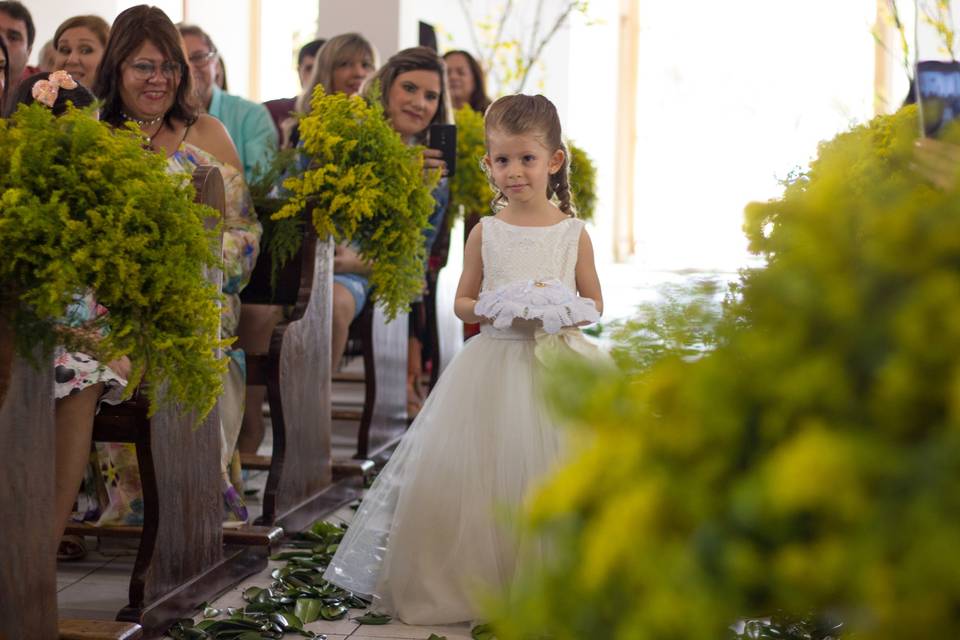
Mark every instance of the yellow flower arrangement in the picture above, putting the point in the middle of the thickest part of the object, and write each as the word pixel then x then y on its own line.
pixel 365 185
pixel 84 207
pixel 807 461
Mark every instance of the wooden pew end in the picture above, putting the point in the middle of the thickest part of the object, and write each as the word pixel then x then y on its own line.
pixel 72 629
pixel 343 469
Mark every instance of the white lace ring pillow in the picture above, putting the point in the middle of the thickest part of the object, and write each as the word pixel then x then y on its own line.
pixel 549 301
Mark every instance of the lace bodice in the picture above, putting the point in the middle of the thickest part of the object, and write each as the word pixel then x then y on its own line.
pixel 511 253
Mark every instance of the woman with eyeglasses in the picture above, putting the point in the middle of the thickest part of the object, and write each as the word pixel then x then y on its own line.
pixel 144 79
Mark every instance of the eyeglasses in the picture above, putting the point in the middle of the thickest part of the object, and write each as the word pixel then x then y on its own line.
pixel 198 59
pixel 147 70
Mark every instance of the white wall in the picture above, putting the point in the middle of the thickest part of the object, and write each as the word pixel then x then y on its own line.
pixel 228 24
pixel 376 20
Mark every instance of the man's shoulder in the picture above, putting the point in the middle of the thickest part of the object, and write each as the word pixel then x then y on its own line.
pixel 240 104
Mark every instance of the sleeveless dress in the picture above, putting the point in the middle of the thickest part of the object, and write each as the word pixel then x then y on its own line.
pixel 435 529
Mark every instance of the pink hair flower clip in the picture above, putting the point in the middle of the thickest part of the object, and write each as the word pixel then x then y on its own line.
pixel 46 91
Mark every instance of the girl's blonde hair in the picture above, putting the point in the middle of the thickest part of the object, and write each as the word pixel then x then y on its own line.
pixel 532 115
pixel 412 59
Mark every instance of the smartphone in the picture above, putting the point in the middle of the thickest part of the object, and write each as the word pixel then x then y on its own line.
pixel 444 138
pixel 938 95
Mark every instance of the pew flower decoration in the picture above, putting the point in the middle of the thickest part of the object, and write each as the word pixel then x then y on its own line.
pixel 469 187
pixel 583 181
pixel 363 184
pixel 84 207
pixel 806 461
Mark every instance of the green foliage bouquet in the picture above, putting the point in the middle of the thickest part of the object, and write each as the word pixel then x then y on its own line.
pixel 365 185
pixel 87 208
pixel 583 181
pixel 808 462
pixel 469 186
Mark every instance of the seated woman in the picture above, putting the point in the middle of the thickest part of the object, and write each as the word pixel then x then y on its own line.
pixel 414 95
pixel 143 79
pixel 341 66
pixel 468 87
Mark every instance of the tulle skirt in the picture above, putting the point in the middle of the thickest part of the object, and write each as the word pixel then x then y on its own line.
pixel 439 525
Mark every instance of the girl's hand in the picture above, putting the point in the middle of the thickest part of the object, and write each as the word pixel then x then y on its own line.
pixel 121 366
pixel 432 159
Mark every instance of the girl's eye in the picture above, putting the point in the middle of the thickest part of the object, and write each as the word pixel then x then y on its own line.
pixel 500 160
pixel 529 158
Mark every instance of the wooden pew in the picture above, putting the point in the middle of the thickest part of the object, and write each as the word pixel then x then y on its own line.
pixel 296 371
pixel 185 556
pixel 28 582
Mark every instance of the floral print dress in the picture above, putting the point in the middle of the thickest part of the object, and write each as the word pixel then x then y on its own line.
pixel 74 371
pixel 114 495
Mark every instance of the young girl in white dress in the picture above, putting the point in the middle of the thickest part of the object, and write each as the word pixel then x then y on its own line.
pixel 431 533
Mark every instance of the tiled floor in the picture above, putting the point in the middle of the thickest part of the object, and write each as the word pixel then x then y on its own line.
pixel 96 587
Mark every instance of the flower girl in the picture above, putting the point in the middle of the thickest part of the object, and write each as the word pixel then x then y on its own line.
pixel 430 532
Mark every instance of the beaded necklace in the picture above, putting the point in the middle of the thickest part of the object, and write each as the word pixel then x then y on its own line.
pixel 146 124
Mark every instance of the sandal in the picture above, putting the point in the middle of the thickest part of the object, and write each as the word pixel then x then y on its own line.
pixel 71 548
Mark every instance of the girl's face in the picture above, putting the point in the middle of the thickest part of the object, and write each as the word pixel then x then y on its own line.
pixel 349 74
pixel 521 165
pixel 149 82
pixel 79 53
pixel 413 100
pixel 460 78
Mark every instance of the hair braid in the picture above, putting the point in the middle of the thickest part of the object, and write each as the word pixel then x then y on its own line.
pixel 560 185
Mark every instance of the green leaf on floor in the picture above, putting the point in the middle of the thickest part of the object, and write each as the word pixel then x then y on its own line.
pixel 482 632
pixel 373 618
pixel 250 595
pixel 434 636
pixel 287 555
pixel 289 621
pixel 308 609
pixel 333 612
pixel 210 612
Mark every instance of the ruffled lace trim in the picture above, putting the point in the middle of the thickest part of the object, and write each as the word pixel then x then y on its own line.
pixel 549 301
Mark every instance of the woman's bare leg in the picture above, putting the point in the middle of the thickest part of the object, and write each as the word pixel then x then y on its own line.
pixel 74 431
pixel 344 307
pixel 257 322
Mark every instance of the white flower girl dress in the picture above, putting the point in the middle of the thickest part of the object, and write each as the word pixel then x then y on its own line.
pixel 435 529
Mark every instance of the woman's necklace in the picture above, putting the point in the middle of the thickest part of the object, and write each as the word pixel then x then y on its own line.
pixel 145 125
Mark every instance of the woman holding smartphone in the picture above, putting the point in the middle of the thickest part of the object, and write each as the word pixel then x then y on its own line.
pixel 414 94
